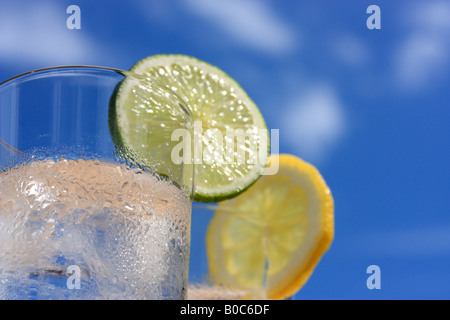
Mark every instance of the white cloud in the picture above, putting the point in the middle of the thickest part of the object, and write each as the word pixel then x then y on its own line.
pixel 250 22
pixel 432 15
pixel 417 242
pixel 350 50
pixel 425 52
pixel 35 33
pixel 420 58
pixel 314 122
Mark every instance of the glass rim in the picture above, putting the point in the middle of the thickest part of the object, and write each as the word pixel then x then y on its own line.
pixel 125 73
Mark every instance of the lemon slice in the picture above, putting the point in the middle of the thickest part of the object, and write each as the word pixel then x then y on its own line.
pixel 218 104
pixel 268 240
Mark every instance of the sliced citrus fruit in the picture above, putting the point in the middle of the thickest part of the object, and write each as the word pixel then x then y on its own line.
pixel 142 118
pixel 268 240
pixel 224 166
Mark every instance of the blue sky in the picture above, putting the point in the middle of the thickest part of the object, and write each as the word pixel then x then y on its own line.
pixel 369 108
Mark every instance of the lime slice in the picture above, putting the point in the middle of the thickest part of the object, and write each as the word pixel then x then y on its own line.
pixel 223 113
pixel 142 117
pixel 268 240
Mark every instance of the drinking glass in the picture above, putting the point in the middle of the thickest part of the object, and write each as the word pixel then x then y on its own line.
pixel 92 205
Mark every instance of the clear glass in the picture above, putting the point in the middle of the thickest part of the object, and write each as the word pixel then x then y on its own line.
pixel 83 213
